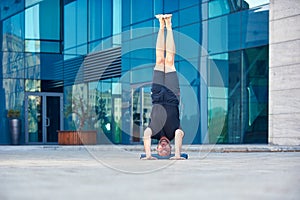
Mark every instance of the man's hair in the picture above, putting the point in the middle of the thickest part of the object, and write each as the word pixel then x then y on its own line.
pixel 164 151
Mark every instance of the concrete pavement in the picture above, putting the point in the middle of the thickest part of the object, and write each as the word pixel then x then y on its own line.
pixel 115 172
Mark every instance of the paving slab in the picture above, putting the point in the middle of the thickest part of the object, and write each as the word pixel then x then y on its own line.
pixel 116 172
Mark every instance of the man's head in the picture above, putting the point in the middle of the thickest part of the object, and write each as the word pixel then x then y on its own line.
pixel 164 147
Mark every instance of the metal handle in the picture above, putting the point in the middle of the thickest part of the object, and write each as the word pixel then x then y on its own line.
pixel 47 122
pixel 249 106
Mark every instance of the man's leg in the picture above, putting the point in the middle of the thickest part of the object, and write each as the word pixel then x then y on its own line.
pixel 170 46
pixel 171 79
pixel 160 45
pixel 178 144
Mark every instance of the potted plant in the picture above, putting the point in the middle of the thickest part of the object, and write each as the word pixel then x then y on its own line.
pixel 14 121
pixel 84 117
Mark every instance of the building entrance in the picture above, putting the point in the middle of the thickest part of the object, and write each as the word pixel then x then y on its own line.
pixel 43 117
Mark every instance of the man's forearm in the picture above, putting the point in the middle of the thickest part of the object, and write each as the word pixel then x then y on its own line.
pixel 147 142
pixel 178 142
pixel 147 147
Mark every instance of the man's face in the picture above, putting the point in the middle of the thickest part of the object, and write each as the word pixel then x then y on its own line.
pixel 164 147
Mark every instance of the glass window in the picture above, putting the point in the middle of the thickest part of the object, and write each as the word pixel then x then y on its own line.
pixel 107 18
pixel 95 20
pixel 117 17
pixel 95 46
pixel 42 46
pixel 254 3
pixel 126 10
pixel 190 15
pixel 9 8
pixel 256 89
pixel 12 65
pixel 188 3
pixel 192 31
pixel 42 21
pixel 218 8
pixel 158 7
pixel 104 19
pixel 31 2
pixel 141 10
pixel 51 67
pixel 32 66
pixel 13 33
pixel 126 62
pixel 171 5
pixel 104 101
pixel 81 21
pixel 255 27
pixel 32 85
pixel 13 98
pixel 234 31
pixel 189 72
pixel 138 30
pixel 44 66
pixel 218 35
pixel 75 23
pixel 224 98
pixel 224 33
pixel 70 25
pixel 142 74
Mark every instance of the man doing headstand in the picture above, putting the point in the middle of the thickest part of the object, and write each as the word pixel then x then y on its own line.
pixel 165 124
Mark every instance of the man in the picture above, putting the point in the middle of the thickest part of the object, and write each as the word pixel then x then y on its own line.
pixel 165 124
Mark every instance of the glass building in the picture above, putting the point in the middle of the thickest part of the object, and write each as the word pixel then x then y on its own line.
pixel 98 57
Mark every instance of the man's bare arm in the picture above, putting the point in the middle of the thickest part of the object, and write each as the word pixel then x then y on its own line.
pixel 178 144
pixel 147 144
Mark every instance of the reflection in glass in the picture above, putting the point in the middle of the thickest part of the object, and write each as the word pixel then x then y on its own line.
pixel 255 27
pixel 13 64
pixel 42 22
pixel 255 3
pixel 256 88
pixel 35 126
pixel 218 8
pixel 75 24
pixel 79 109
pixel 141 110
pixel 218 98
pixel 13 33
pixel 32 85
pixel 13 98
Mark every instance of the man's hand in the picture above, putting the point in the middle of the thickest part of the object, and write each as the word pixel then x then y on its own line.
pixel 149 158
pixel 177 158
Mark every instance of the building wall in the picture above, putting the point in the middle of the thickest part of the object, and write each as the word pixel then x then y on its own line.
pixel 221 57
pixel 284 72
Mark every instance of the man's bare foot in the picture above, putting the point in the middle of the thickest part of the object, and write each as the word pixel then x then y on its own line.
pixel 167 15
pixel 158 16
pixel 168 22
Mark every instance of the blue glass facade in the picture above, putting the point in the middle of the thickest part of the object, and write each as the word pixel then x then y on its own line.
pixel 101 52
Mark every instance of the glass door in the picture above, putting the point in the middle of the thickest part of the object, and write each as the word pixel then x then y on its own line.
pixel 43 117
pixel 141 110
